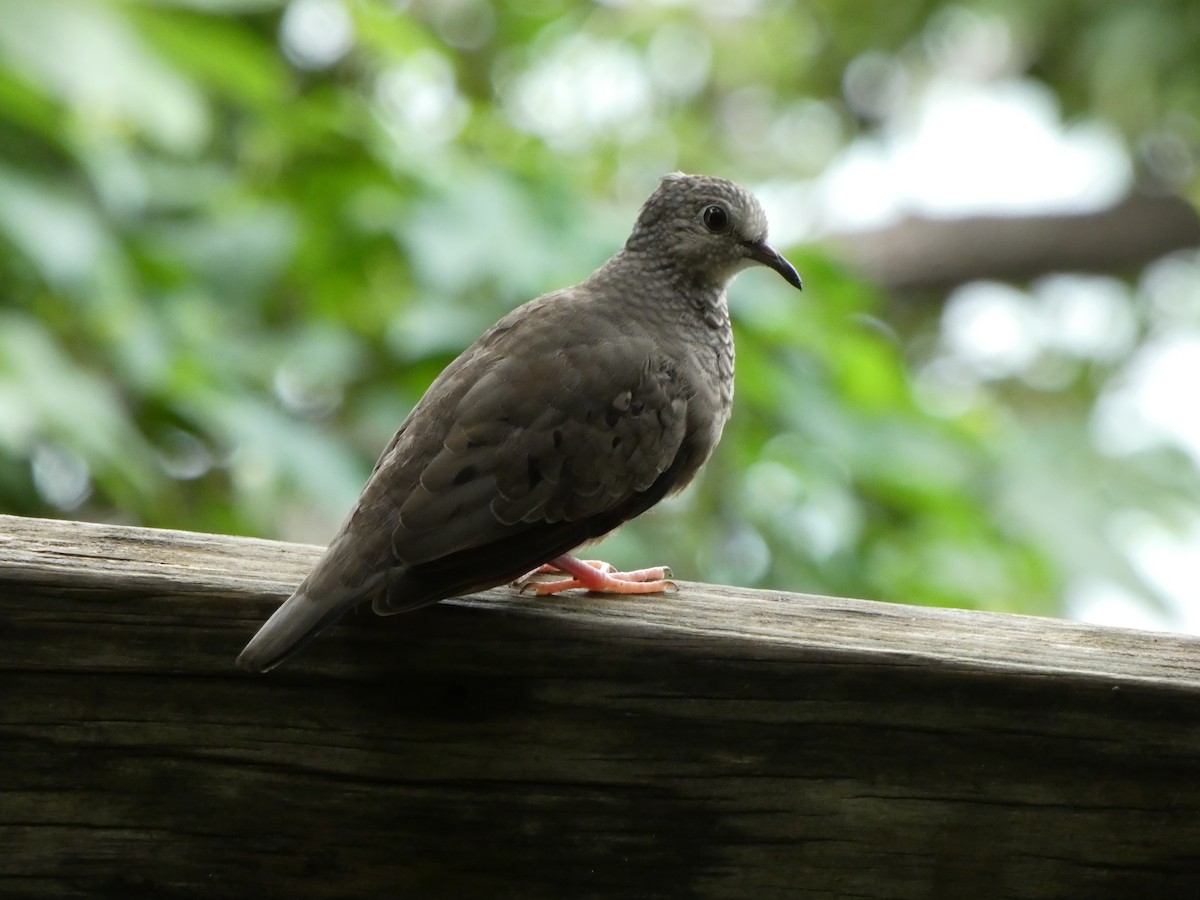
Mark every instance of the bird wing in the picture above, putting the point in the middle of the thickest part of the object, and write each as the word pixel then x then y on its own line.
pixel 545 440
pixel 540 437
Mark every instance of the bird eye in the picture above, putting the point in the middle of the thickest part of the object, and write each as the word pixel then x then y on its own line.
pixel 716 219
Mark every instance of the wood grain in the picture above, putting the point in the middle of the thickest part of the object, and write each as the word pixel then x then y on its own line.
pixel 713 743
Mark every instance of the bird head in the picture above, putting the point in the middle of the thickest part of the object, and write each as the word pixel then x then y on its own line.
pixel 708 227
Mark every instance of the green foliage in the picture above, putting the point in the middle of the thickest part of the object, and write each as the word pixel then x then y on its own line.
pixel 230 270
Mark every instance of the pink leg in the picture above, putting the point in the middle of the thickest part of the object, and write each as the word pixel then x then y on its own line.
pixel 595 575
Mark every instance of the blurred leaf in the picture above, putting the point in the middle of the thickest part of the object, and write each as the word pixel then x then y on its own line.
pixel 54 227
pixel 101 70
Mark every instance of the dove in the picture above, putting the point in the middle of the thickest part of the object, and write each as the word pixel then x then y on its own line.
pixel 573 414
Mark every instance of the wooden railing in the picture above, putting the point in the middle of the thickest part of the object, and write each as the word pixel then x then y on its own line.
pixel 711 743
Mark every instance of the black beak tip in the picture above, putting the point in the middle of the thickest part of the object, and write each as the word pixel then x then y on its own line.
pixel 790 275
pixel 769 257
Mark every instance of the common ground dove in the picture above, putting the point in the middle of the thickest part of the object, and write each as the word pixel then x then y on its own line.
pixel 571 415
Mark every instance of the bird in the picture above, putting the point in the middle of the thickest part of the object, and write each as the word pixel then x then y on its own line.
pixel 573 414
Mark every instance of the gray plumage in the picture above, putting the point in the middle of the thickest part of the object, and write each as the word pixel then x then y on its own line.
pixel 571 415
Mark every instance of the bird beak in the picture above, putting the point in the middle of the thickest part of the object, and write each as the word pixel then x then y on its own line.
pixel 761 253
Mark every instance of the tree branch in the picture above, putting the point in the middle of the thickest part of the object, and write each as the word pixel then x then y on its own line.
pixel 936 254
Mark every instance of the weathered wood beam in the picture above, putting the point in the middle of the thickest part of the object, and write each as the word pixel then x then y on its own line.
pixel 713 743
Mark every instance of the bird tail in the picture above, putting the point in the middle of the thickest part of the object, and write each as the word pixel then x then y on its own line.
pixel 300 619
pixel 343 577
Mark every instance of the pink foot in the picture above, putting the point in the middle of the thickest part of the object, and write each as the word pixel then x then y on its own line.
pixel 595 575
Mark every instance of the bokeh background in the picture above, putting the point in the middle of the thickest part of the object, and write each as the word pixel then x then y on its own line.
pixel 238 238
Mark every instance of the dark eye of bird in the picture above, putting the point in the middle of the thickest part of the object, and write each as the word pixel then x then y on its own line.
pixel 716 219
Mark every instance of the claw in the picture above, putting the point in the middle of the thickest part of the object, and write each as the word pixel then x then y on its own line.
pixel 595 575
